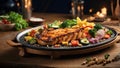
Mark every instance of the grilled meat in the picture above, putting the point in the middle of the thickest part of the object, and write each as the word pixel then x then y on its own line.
pixel 56 36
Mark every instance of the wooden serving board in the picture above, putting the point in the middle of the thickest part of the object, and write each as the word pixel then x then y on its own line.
pixel 56 54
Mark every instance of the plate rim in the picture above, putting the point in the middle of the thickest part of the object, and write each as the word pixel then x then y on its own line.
pixel 19 35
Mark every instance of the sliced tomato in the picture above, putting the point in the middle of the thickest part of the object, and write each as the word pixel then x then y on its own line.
pixel 32 33
pixel 56 45
pixel 5 21
pixel 88 35
pixel 107 36
pixel 74 43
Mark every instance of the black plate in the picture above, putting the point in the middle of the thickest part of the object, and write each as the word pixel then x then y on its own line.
pixel 20 39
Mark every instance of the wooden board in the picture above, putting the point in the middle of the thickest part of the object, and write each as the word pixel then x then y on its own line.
pixel 56 54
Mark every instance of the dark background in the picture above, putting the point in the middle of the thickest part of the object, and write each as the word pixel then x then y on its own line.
pixel 64 6
pixel 57 6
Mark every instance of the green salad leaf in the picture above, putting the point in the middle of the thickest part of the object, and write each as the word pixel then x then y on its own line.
pixel 16 18
pixel 93 31
pixel 55 24
pixel 68 23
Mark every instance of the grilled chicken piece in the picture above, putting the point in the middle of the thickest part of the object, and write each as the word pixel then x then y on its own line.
pixel 59 35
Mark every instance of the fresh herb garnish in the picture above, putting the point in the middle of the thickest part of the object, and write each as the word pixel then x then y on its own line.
pixel 68 23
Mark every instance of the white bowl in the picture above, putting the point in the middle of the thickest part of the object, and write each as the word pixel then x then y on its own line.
pixel 36 21
pixel 6 27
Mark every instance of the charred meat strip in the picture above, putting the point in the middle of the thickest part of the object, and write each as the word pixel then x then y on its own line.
pixel 51 37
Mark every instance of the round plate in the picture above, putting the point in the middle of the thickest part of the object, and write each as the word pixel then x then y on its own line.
pixel 20 39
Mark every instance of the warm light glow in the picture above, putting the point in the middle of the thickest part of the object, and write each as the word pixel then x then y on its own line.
pixel 18 4
pixel 82 7
pixel 98 13
pixel 78 8
pixel 72 4
pixel 104 11
pixel 90 10
pixel 27 3
pixel 102 14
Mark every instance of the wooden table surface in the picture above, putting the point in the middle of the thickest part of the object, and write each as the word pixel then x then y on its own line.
pixel 9 55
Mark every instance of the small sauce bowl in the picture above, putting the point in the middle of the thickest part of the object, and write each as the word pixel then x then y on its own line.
pixel 33 21
pixel 7 27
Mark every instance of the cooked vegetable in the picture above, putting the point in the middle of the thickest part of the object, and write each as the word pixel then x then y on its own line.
pixel 107 36
pixel 92 32
pixel 64 43
pixel 32 41
pixel 27 38
pixel 84 41
pixel 98 26
pixel 68 23
pixel 81 33
pixel 74 43
pixel 100 33
pixel 55 24
pixel 93 40
pixel 109 32
pixel 57 45
pixel 32 33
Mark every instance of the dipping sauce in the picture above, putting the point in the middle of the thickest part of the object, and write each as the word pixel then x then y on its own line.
pixel 36 21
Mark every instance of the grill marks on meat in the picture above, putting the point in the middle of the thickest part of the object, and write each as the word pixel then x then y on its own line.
pixel 57 36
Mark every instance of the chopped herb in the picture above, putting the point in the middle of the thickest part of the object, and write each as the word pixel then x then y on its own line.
pixel 68 23
pixel 106 56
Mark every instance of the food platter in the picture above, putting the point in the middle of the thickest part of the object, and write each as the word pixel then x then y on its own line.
pixel 20 39
pixel 74 26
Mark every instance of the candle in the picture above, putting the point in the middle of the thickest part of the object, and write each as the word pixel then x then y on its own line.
pixel 26 9
pixel 73 9
pixel 78 8
pixel 82 8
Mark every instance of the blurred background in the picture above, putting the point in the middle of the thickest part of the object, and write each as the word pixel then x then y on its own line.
pixel 56 6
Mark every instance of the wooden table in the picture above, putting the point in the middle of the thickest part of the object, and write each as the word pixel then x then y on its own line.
pixel 9 55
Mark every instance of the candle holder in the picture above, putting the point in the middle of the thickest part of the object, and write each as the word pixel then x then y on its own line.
pixel 25 8
pixel 77 7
